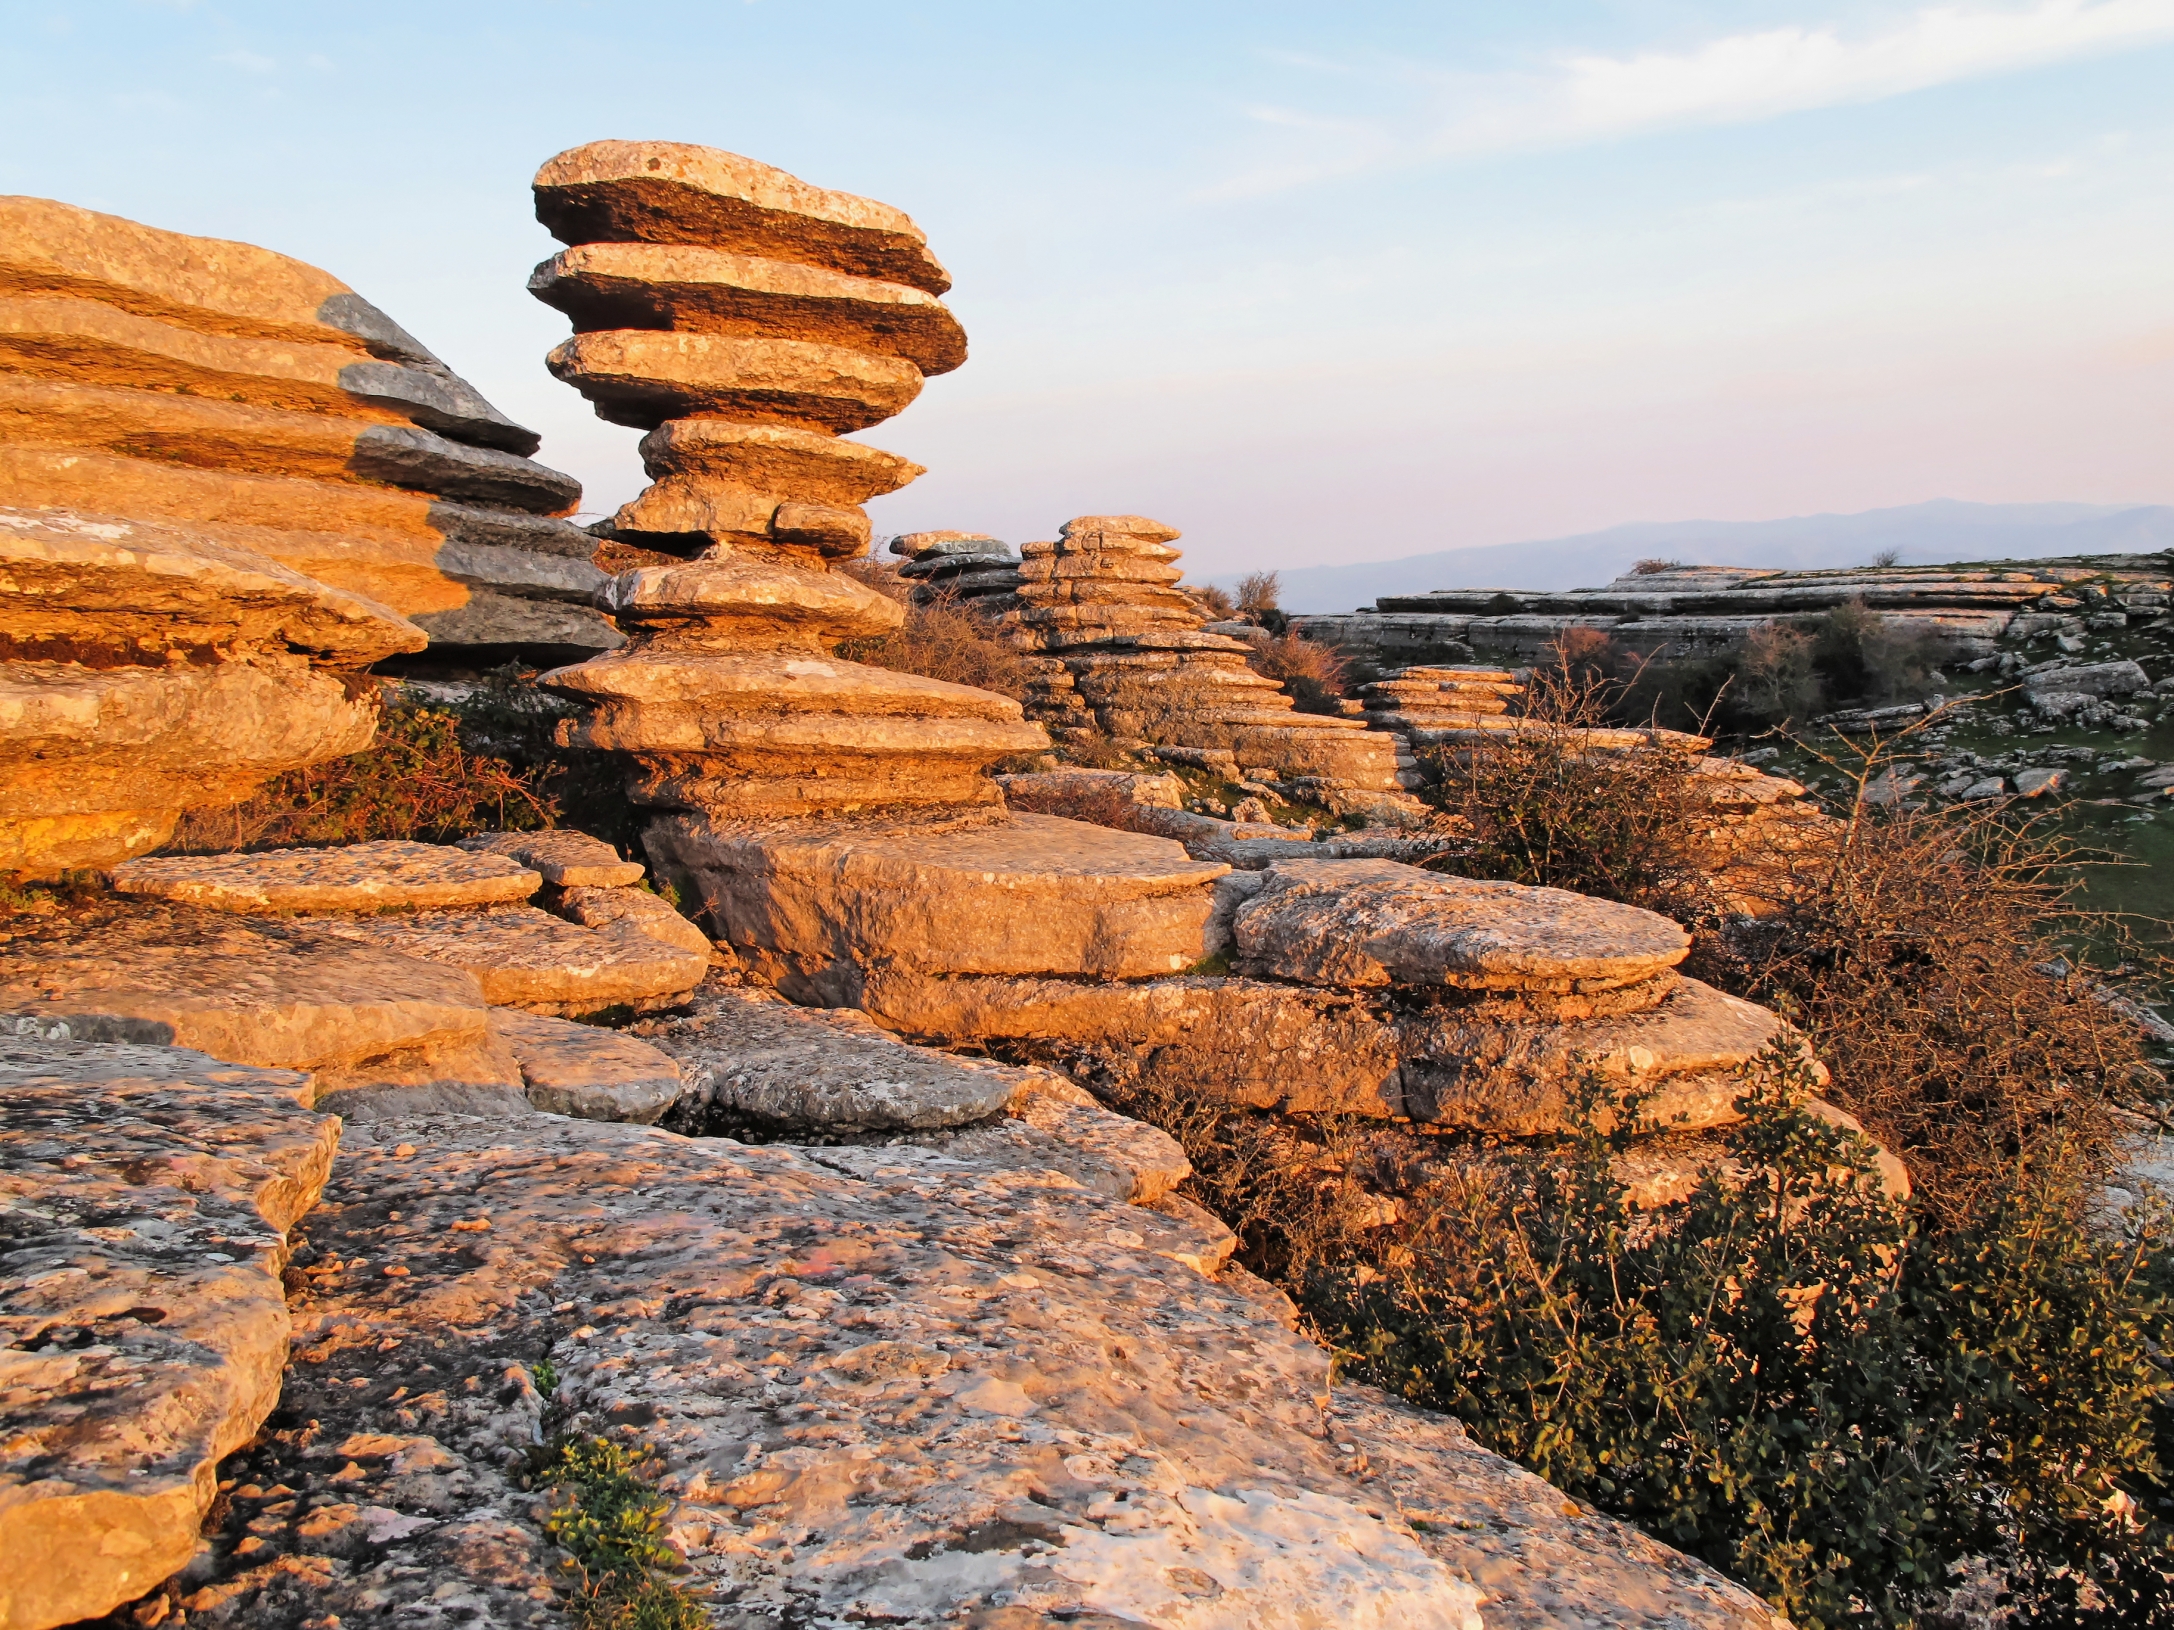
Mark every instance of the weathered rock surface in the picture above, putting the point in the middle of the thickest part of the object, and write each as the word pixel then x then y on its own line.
pixel 730 600
pixel 248 990
pixel 154 375
pixel 887 1381
pixel 522 957
pixel 145 668
pixel 1358 923
pixel 779 733
pixel 148 1193
pixel 559 855
pixel 713 291
pixel 753 1060
pixel 74 585
pixel 587 1072
pixel 378 876
pixel 99 763
pixel 629 911
pixel 1118 649
pixel 674 192
pixel 642 377
pixel 1694 611
pixel 774 458
pixel 1033 894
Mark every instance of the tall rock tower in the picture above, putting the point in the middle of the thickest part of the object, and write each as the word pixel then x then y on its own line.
pixel 831 817
pixel 745 320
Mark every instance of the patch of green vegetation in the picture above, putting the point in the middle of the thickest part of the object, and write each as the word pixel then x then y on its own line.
pixel 1785 1375
pixel 607 1515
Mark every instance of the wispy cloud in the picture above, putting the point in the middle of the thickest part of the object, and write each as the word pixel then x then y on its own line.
pixel 1735 79
pixel 247 61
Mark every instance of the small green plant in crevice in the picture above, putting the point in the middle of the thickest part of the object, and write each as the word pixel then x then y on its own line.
pixel 606 1514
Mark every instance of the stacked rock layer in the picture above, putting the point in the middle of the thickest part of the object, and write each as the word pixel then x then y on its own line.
pixel 262 402
pixel 746 319
pixel 1681 611
pixel 148 668
pixel 1118 648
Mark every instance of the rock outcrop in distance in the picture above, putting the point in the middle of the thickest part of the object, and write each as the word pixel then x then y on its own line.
pixel 261 402
pixel 1684 612
pixel 1114 647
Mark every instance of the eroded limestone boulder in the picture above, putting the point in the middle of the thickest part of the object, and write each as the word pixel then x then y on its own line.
pixel 149 1193
pixel 216 385
pixel 521 957
pixel 977 893
pixel 1361 923
pixel 588 1072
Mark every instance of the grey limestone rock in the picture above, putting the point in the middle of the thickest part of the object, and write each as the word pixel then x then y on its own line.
pixel 143 1327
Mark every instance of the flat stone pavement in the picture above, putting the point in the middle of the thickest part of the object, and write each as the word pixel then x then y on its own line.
pixel 889 1383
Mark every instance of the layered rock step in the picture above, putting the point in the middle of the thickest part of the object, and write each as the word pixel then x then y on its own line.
pixel 730 702
pixel 586 1072
pixel 745 319
pixel 1693 611
pixel 818 905
pixel 157 376
pixel 150 1192
pixel 522 957
pixel 360 877
pixel 146 668
pixel 962 566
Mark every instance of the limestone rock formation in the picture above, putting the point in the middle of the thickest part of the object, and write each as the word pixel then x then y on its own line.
pixel 147 667
pixel 149 1193
pixel 1700 611
pixel 1117 648
pixel 745 319
pixel 886 1382
pixel 158 376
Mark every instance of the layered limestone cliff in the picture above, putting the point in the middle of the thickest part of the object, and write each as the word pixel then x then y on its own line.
pixel 149 667
pixel 155 376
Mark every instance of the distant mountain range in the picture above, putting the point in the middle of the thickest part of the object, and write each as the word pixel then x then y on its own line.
pixel 1935 533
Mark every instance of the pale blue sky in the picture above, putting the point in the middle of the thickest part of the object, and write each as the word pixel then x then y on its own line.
pixel 1312 282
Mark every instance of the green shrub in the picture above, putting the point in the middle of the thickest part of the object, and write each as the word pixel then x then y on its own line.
pixel 609 1518
pixel 1777 1374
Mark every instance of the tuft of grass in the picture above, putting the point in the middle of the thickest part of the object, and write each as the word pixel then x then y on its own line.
pixel 608 1517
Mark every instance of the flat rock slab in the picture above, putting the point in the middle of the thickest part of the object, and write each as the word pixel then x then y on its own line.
pixel 629 911
pixel 360 877
pixel 568 858
pixel 1513 1074
pixel 855 1363
pixel 522 957
pixel 1026 894
pixel 754 1060
pixel 1361 923
pixel 264 991
pixel 143 1324
pixel 1544 1562
pixel 588 1072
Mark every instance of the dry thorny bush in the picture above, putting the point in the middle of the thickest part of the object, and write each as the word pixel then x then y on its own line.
pixel 940 639
pixel 1936 958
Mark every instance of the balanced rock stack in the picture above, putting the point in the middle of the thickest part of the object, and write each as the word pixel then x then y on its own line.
pixel 745 318
pixel 1121 649
pixel 264 404
pixel 147 668
pixel 970 568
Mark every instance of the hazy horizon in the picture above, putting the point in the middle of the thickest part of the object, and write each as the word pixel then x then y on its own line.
pixel 1310 285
